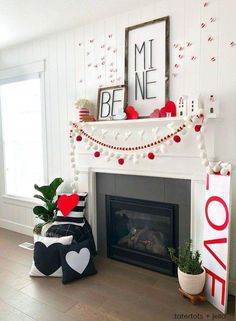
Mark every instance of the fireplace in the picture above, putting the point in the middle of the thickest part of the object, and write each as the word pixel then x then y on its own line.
pixel 155 210
pixel 140 231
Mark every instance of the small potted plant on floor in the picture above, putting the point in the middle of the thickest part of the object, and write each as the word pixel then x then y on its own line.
pixel 48 210
pixel 191 273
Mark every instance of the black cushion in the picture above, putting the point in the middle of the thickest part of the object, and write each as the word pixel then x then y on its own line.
pixel 77 261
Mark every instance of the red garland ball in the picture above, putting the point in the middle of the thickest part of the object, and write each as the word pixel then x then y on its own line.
pixel 197 128
pixel 79 138
pixel 121 161
pixel 151 156
pixel 97 154
pixel 177 138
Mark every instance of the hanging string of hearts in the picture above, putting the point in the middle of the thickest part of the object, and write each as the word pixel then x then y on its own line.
pixel 149 150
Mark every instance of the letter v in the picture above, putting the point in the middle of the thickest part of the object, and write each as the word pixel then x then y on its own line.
pixel 216 241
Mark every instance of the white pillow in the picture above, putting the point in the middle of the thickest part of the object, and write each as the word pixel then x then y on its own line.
pixel 47 260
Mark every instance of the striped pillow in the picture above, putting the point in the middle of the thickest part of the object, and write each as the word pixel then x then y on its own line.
pixel 76 216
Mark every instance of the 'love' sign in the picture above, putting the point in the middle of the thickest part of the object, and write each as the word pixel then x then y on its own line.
pixel 216 239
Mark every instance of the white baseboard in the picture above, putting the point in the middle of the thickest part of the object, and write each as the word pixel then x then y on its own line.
pixel 16 227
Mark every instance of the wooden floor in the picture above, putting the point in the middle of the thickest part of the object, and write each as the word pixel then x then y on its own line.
pixel 118 292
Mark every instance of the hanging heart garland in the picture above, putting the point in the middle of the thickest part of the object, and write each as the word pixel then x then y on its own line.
pixel 146 150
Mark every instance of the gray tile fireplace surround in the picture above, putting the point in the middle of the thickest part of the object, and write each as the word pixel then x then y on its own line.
pixel 168 190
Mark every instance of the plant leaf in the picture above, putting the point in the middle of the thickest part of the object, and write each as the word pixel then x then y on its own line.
pixel 41 198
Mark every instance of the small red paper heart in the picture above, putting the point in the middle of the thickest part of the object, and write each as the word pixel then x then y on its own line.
pixel 170 107
pixel 131 112
pixel 66 203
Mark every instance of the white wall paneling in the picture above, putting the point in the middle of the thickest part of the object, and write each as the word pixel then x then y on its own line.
pixel 68 77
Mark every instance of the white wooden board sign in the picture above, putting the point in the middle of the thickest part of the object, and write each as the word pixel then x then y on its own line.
pixel 147 65
pixel 216 239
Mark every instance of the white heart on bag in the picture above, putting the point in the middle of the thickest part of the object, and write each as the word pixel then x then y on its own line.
pixel 78 261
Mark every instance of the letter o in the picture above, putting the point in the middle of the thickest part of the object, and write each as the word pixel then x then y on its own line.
pixel 222 202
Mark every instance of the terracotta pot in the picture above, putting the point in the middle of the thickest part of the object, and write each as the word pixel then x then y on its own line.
pixel 192 284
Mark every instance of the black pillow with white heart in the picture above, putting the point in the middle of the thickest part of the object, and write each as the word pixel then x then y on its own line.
pixel 77 261
pixel 47 261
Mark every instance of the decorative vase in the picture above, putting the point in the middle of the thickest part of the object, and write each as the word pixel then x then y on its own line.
pixel 192 284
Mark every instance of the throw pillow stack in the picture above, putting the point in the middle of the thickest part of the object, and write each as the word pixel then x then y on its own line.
pixel 68 250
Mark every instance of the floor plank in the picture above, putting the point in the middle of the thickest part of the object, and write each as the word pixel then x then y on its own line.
pixel 119 292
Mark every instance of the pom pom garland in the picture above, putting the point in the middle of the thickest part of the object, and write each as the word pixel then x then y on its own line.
pixel 145 149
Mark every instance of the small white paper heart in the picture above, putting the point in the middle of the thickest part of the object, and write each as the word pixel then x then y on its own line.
pixel 104 132
pixel 78 261
pixel 127 135
pixel 120 115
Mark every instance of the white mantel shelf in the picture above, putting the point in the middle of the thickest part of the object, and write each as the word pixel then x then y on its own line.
pixel 142 121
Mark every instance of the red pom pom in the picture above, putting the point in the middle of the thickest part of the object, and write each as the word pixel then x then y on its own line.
pixel 177 139
pixel 79 138
pixel 97 154
pixel 151 156
pixel 121 161
pixel 197 128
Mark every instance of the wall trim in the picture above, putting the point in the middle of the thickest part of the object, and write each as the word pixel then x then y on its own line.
pixel 16 227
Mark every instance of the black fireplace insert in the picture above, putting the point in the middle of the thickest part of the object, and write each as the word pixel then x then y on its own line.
pixel 139 232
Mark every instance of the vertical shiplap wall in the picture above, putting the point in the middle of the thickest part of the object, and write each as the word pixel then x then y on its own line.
pixel 74 70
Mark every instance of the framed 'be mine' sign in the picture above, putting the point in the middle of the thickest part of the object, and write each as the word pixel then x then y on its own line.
pixel 147 65
pixel 216 239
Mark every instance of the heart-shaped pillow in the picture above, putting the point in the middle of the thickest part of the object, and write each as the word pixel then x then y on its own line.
pixel 66 203
pixel 120 114
pixel 131 112
pixel 170 108
pixel 78 261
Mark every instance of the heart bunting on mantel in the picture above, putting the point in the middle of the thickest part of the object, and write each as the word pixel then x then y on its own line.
pixel 66 203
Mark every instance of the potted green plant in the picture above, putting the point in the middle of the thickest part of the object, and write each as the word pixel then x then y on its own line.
pixel 48 210
pixel 191 273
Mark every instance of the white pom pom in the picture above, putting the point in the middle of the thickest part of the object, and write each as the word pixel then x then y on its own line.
pixel 190 125
pixel 201 146
pixel 209 170
pixel 173 130
pixel 118 156
pixel 224 171
pixel 217 168
pixel 130 157
pixel 73 165
pixel 74 191
pixel 70 122
pixel 107 159
pixel 203 154
pixel 72 184
pixel 203 129
pixel 76 172
pixel 76 178
pixel 85 139
pixel 95 147
pixel 100 149
pixel 163 148
pixel 143 155
pixel 72 140
pixel 72 153
pixel 111 154
pixel 88 147
pixel 73 146
pixel 72 159
pixel 200 138
pixel 183 132
pixel 205 162
pixel 135 160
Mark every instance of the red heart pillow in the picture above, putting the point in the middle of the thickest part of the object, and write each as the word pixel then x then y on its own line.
pixel 131 112
pixel 170 107
pixel 66 203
